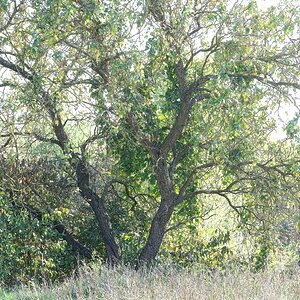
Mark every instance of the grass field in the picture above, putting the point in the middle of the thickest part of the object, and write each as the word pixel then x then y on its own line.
pixel 169 284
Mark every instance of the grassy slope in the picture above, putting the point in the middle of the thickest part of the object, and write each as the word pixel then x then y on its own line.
pixel 169 284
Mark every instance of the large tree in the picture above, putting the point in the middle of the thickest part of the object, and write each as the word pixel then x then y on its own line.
pixel 158 102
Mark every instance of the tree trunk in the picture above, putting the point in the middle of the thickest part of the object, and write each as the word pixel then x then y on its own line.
pixel 156 234
pixel 162 216
pixel 97 205
pixel 112 248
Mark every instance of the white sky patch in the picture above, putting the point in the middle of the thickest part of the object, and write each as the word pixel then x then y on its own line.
pixel 264 4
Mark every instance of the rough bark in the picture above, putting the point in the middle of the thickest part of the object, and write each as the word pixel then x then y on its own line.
pixel 183 113
pixel 156 234
pixel 98 207
pixel 162 216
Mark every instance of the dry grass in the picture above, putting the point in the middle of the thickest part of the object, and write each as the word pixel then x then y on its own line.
pixel 168 284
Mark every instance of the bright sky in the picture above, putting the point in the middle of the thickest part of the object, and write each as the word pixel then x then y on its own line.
pixel 266 3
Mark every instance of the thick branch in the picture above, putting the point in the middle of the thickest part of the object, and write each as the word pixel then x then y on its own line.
pixel 183 114
pixel 97 204
pixel 11 17
pixel 16 69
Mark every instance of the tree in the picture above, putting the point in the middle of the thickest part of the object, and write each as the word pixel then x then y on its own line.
pixel 185 89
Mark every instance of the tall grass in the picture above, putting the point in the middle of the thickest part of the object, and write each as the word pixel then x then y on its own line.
pixel 166 283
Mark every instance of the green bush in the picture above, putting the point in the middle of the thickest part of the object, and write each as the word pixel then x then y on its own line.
pixel 31 249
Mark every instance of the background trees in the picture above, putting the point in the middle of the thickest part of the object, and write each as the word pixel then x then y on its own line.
pixel 123 121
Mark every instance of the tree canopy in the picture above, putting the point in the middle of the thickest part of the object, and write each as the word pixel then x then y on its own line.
pixel 126 121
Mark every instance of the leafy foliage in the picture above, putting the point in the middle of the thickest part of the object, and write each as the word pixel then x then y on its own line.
pixel 130 127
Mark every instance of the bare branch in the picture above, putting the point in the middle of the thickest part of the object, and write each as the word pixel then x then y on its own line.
pixel 16 9
pixel 88 141
pixel 191 178
pixel 265 80
pixel 203 216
